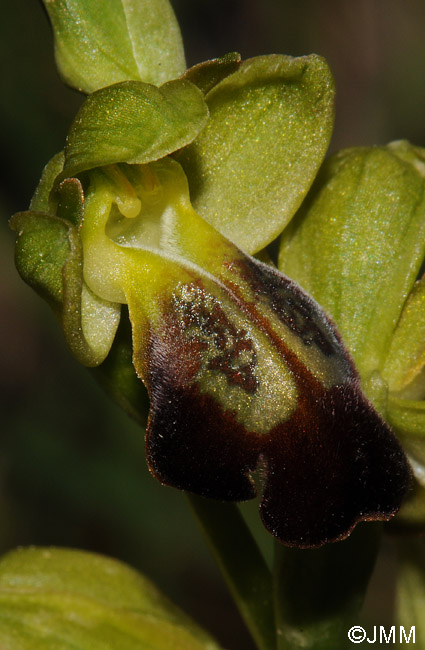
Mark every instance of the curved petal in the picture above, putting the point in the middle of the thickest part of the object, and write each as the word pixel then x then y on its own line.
pixel 134 122
pixel 41 201
pixel 230 394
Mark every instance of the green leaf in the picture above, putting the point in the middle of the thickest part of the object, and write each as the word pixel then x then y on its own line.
pixel 134 122
pixel 57 599
pixel 99 44
pixel 269 128
pixel 357 246
pixel 410 600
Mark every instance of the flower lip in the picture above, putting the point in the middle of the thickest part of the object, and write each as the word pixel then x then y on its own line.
pixel 330 463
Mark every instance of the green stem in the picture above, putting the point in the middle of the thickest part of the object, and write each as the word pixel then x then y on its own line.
pixel 319 592
pixel 242 565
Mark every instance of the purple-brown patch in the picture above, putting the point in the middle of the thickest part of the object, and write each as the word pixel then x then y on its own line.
pixel 332 463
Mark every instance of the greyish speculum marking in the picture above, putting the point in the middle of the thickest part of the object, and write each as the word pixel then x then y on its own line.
pixel 227 348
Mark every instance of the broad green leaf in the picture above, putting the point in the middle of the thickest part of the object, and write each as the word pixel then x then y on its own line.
pixel 410 598
pixel 101 43
pixel 269 128
pixel 404 368
pixel 58 599
pixel 134 122
pixel 208 74
pixel 357 246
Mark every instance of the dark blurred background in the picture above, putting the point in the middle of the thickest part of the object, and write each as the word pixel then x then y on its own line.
pixel 72 470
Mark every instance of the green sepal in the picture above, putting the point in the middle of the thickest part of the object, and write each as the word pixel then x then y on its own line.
pixel 357 246
pixel 134 122
pixel 58 598
pixel 49 257
pixel 208 74
pixel 404 368
pixel 97 45
pixel 42 249
pixel 410 598
pixel 269 128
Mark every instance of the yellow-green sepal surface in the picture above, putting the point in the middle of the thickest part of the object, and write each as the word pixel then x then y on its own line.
pixel 358 244
pixel 269 129
pixel 58 599
pixel 99 44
